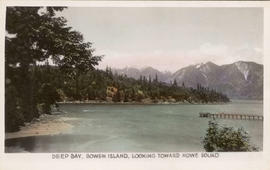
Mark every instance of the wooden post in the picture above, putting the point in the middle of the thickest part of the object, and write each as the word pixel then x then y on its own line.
pixel 231 116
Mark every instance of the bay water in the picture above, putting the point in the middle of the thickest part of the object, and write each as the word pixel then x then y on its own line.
pixel 139 128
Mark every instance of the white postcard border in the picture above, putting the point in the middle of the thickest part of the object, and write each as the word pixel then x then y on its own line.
pixel 239 160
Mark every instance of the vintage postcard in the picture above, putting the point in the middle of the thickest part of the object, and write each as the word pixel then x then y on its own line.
pixel 135 83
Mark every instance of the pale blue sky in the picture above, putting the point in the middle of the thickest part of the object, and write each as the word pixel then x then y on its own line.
pixel 170 38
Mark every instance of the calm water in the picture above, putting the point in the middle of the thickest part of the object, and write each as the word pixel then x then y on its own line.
pixel 138 128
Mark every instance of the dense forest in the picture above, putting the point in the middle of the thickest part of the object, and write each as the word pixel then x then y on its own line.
pixel 48 62
pixel 102 86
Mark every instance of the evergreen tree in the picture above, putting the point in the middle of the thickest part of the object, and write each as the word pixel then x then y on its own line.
pixel 156 78
pixel 35 36
pixel 149 79
pixel 226 139
pixel 175 83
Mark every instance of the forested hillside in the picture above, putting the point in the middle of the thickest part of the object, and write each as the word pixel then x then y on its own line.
pixel 102 85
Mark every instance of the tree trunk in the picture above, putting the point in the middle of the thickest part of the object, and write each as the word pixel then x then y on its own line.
pixel 77 86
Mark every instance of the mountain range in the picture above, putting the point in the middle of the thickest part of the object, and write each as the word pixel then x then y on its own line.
pixel 239 80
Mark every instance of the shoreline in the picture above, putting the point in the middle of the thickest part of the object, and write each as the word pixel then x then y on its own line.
pixel 44 125
pixel 138 103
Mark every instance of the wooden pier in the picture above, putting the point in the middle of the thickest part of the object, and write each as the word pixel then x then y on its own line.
pixel 231 116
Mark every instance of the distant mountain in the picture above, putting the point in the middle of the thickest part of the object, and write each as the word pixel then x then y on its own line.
pixel 147 72
pixel 239 80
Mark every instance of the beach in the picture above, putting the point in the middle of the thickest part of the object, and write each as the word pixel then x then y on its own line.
pixel 44 125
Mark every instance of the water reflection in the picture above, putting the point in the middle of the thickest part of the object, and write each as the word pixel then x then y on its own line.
pixel 49 143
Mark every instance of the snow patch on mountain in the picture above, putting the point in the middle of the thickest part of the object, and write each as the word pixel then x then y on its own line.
pixel 204 75
pixel 243 68
pixel 205 69
pixel 206 79
pixel 181 75
pixel 198 65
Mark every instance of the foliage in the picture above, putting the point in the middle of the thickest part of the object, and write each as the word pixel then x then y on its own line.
pixel 13 116
pixel 48 95
pixel 34 35
pixel 226 139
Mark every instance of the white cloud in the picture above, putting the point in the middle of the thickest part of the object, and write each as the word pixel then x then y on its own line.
pixel 224 54
pixel 169 39
pixel 209 52
pixel 213 49
pixel 174 60
pixel 249 53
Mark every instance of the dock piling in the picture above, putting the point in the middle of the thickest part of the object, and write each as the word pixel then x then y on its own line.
pixel 233 116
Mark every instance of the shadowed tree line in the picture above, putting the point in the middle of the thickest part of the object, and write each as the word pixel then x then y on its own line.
pixel 96 84
pixel 46 61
